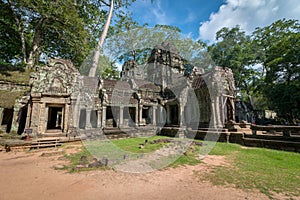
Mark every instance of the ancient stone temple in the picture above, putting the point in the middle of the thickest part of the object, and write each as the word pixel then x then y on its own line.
pixel 162 94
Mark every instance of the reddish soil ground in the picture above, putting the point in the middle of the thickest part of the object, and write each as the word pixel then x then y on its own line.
pixel 29 175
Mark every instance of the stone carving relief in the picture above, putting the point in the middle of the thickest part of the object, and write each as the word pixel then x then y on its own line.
pixel 57 77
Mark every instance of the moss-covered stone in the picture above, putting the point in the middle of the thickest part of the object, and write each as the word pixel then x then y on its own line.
pixel 16 76
pixel 8 98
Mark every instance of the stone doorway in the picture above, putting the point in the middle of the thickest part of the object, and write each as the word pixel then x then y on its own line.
pixel 146 116
pixel 112 115
pixel 55 118
pixel 172 115
pixel 7 119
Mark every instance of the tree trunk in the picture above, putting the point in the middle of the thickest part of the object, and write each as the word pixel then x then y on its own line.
pixel 37 39
pixel 93 69
pixel 20 32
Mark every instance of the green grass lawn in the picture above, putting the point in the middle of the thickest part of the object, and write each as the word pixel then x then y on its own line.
pixel 263 169
pixel 249 168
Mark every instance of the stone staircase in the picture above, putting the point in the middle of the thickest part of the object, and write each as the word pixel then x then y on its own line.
pixel 278 142
pixel 45 143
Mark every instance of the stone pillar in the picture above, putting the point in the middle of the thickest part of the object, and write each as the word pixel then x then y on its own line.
pixel 99 118
pixel 103 116
pixel 46 117
pixel 15 120
pixel 66 118
pixel 34 117
pixel 28 117
pixel 88 118
pixel 1 117
pixel 162 116
pixel 233 109
pixel 188 115
pixel 213 114
pixel 35 112
pixel 154 115
pixel 41 120
pixel 74 113
pixel 181 116
pixel 121 117
pixel 136 116
pixel 217 113
pixel 140 115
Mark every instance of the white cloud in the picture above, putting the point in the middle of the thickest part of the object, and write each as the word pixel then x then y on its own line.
pixel 159 13
pixel 153 13
pixel 119 66
pixel 191 17
pixel 249 14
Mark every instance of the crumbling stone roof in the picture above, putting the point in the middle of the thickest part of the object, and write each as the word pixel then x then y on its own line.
pixel 116 84
pixel 115 99
pixel 167 46
pixel 198 82
pixel 142 84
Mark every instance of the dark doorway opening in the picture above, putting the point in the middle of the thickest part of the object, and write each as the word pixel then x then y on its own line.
pixel 94 118
pixel 132 113
pixel 7 119
pixel 146 114
pixel 82 118
pixel 22 120
pixel 174 115
pixel 111 114
pixel 54 118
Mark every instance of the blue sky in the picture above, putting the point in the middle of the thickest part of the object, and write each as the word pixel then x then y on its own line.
pixel 201 19
pixel 185 14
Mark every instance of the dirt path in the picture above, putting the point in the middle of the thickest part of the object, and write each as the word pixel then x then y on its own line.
pixel 26 175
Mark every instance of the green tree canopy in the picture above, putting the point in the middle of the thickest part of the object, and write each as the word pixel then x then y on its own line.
pixel 234 49
pixel 278 50
pixel 67 29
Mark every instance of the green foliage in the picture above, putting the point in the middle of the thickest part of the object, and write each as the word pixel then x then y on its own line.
pixel 9 37
pixel 233 49
pixel 278 50
pixel 265 65
pixel 67 29
pixel 137 42
pixel 107 69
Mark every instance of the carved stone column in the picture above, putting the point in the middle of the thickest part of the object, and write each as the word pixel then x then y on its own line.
pixel 15 123
pixel 103 116
pixel 74 112
pixel 1 117
pixel 66 118
pixel 140 115
pixel 154 115
pixel 46 114
pixel 213 114
pixel 121 117
pixel 233 109
pixel 41 120
pixel 28 117
pixel 136 116
pixel 88 119
pixel 99 118
pixel 217 113
pixel 162 116
pixel 35 113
